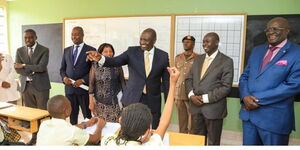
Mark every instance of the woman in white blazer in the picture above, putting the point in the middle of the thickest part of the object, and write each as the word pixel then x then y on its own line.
pixel 8 84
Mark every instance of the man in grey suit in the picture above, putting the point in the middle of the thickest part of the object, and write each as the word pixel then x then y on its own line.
pixel 31 63
pixel 208 83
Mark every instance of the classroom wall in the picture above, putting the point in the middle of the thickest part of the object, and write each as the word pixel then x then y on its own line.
pixel 24 12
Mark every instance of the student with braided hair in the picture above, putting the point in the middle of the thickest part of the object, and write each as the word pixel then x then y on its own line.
pixel 136 122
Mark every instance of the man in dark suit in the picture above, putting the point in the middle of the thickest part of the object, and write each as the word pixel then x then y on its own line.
pixel 147 67
pixel 75 72
pixel 267 88
pixel 31 63
pixel 208 83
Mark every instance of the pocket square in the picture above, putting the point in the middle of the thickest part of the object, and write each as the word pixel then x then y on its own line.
pixel 282 63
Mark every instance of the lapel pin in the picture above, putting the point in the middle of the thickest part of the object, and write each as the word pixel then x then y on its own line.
pixel 284 51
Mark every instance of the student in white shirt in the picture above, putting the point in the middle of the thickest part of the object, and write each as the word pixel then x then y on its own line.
pixel 136 122
pixel 58 131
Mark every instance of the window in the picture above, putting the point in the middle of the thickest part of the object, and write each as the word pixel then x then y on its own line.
pixel 3 32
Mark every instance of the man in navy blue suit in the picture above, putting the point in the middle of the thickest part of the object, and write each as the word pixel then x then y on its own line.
pixel 267 88
pixel 75 72
pixel 147 67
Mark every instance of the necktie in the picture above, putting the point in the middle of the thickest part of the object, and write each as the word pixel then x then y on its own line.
pixel 30 52
pixel 75 53
pixel 267 59
pixel 147 67
pixel 205 66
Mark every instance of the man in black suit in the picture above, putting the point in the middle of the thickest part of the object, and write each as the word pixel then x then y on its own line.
pixel 147 67
pixel 31 63
pixel 75 72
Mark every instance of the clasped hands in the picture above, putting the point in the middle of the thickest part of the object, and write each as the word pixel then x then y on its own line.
pixel 197 100
pixel 250 102
pixel 76 84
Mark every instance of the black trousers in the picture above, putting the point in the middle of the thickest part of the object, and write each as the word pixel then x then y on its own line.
pixel 76 101
pixel 210 128
pixel 155 108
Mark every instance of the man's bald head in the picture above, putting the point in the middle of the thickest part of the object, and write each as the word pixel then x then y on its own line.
pixel 280 20
pixel 58 105
pixel 277 30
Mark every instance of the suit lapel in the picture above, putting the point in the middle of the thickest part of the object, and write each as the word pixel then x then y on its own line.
pixel 260 58
pixel 140 59
pixel 25 54
pixel 35 53
pixel 80 56
pixel 201 61
pixel 71 54
pixel 213 65
pixel 155 59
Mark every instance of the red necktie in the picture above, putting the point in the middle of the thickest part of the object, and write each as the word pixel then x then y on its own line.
pixel 267 59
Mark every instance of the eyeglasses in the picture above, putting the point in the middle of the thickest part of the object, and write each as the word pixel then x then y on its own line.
pixel 277 30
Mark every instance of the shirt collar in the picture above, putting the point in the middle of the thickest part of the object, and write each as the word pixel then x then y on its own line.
pixel 212 55
pixel 80 45
pixel 33 47
pixel 151 51
pixel 280 45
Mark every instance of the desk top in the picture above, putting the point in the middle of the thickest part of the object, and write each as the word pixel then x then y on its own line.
pixel 181 139
pixel 23 113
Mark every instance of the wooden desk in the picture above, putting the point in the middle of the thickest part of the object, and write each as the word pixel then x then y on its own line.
pixel 24 118
pixel 181 139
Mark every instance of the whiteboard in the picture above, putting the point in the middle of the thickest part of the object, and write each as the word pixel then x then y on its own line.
pixel 121 32
pixel 230 28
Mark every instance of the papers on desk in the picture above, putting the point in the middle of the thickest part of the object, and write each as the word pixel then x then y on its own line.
pixel 166 140
pixel 81 86
pixel 5 105
pixel 109 129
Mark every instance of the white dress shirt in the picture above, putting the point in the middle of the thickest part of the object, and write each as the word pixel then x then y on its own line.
pixel 205 96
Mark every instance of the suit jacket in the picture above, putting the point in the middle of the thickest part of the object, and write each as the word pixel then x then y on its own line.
pixel 274 87
pixel 36 68
pixel 216 82
pixel 78 71
pixel 134 57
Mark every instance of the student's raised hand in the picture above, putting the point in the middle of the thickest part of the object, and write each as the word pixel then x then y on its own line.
pixel 101 122
pixel 93 55
pixel 91 103
pixel 92 121
pixel 174 74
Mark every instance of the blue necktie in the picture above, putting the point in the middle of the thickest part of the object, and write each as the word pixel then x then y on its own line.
pixel 75 53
